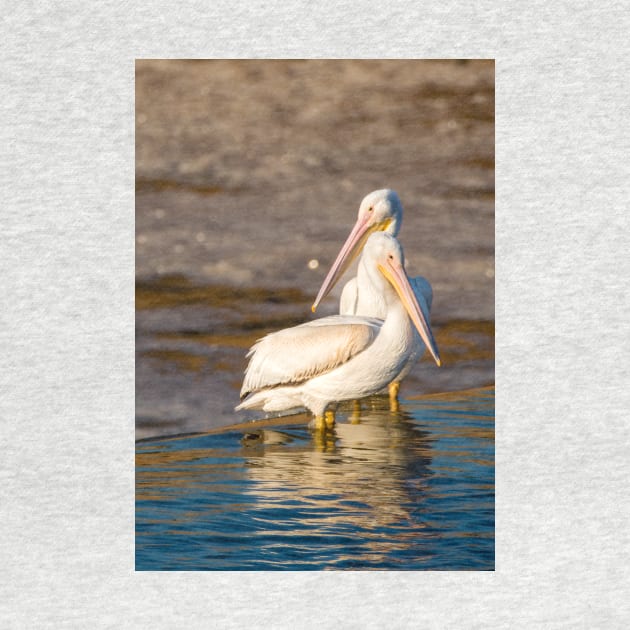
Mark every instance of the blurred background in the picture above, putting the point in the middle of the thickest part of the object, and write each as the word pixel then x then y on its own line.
pixel 249 176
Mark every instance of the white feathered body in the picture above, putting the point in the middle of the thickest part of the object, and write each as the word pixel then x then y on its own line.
pixel 359 298
pixel 328 360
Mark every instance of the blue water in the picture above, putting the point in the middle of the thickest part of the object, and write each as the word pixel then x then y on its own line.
pixel 412 489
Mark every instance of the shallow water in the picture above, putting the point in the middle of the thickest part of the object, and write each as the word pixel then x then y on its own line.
pixel 412 489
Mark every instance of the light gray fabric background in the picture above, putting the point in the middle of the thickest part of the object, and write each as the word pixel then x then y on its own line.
pixel 67 319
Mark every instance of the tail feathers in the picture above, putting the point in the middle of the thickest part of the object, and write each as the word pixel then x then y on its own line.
pixel 270 400
pixel 247 404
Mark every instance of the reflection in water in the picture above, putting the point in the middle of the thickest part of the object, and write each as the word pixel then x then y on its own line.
pixel 375 464
pixel 412 489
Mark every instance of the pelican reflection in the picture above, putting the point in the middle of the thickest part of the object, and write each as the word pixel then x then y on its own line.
pixel 366 473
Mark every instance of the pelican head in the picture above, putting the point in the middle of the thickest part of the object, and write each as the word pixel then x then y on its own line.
pixel 383 252
pixel 380 211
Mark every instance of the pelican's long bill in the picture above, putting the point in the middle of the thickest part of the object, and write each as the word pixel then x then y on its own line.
pixel 397 277
pixel 353 245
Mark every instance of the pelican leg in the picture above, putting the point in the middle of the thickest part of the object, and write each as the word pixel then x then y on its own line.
pixel 355 418
pixel 329 419
pixel 393 396
pixel 318 423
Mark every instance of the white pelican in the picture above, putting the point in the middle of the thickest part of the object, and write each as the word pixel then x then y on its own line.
pixel 381 210
pixel 341 357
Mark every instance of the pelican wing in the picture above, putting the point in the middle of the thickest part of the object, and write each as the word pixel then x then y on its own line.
pixel 293 355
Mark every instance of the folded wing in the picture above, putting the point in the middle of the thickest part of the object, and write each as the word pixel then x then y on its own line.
pixel 293 355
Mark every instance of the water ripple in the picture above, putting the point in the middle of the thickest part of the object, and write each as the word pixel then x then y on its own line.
pixel 412 489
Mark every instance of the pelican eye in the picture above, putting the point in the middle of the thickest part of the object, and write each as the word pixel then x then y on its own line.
pixel 391 256
pixel 370 208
